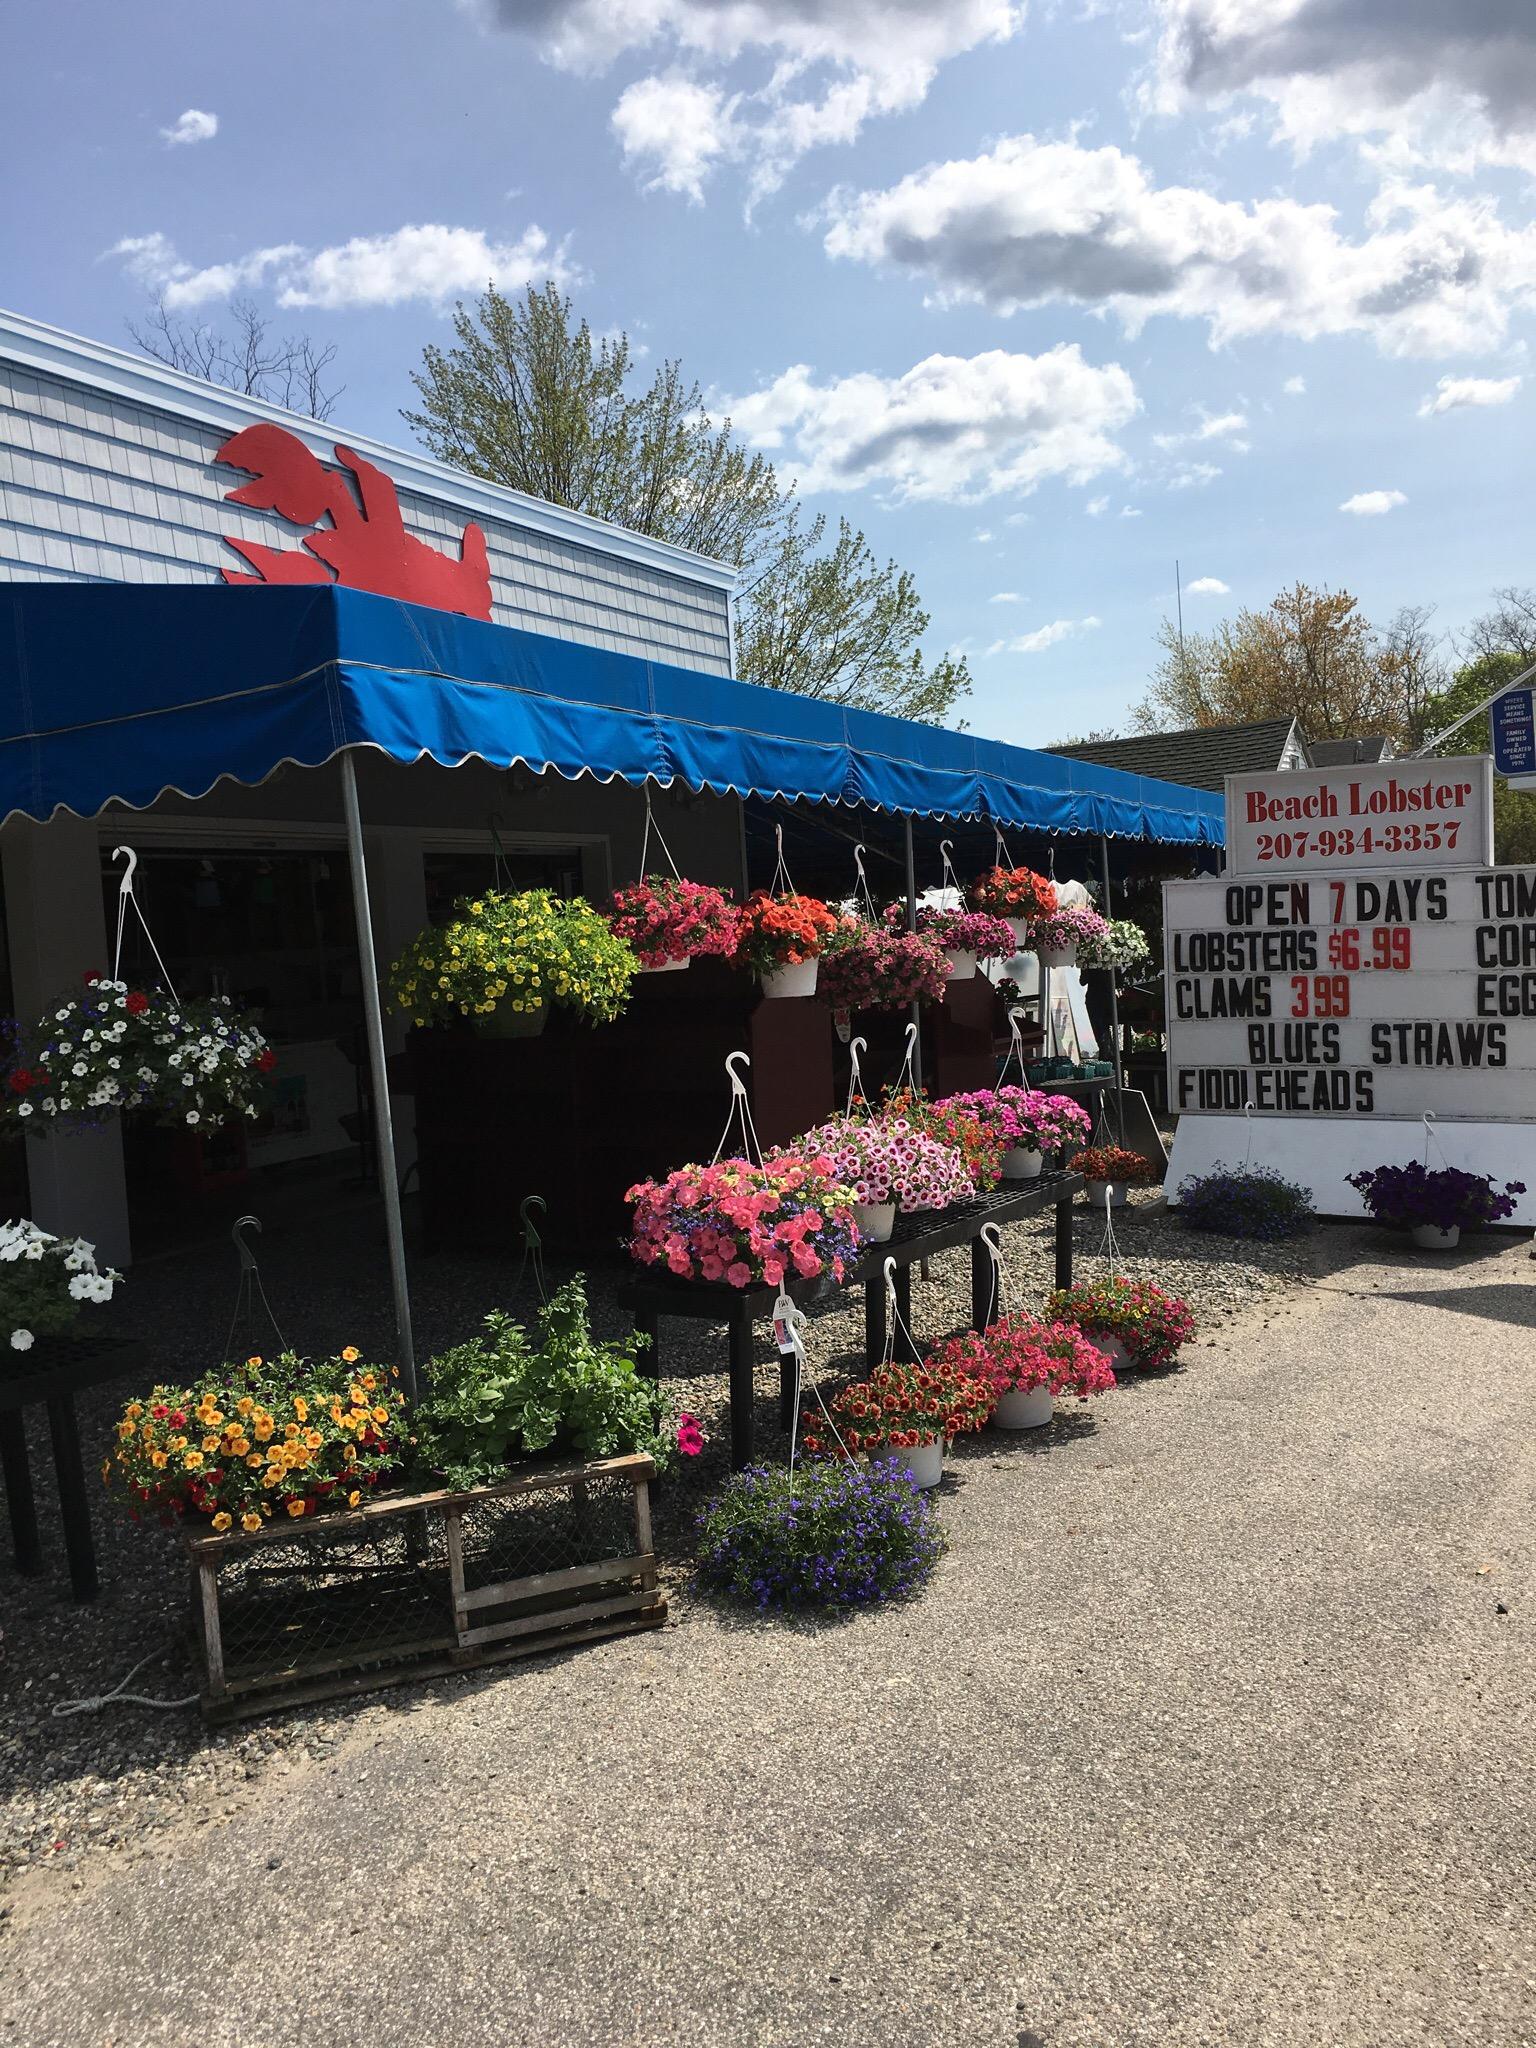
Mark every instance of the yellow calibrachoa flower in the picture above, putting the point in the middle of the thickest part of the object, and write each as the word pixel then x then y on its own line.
pixel 301 1407
pixel 125 1429
pixel 222 1521
pixel 295 1508
pixel 193 1461
pixel 210 1443
pixel 353 1498
pixel 250 1523
pixel 264 1428
pixel 136 1408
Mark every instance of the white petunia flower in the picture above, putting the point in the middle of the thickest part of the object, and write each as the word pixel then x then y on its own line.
pixel 193 1117
pixel 21 1340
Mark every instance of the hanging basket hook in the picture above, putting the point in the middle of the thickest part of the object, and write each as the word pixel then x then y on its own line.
pixel 243 1223
pixel 531 1237
pixel 738 1085
pixel 889 1270
pixel 125 886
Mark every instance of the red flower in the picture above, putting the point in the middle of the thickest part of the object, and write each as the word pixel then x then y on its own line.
pixel 20 1080
pixel 136 1004
pixel 266 1060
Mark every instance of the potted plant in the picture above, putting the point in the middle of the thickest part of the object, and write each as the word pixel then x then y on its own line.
pixel 44 1281
pixel 1132 1321
pixel 1246 1201
pixel 116 1047
pixel 866 966
pixel 287 1437
pixel 1111 1172
pixel 780 939
pixel 966 936
pixel 889 1164
pixel 1121 947
pixel 670 922
pixel 1058 936
pixel 979 1144
pixel 502 959
pixel 905 1412
pixel 507 1395
pixel 1028 1364
pixel 746 1225
pixel 1438 1204
pixel 1029 1124
pixel 1017 895
pixel 825 1535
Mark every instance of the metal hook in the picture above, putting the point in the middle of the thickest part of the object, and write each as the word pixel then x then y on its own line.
pixel 531 1238
pixel 738 1086
pixel 247 1256
pixel 125 886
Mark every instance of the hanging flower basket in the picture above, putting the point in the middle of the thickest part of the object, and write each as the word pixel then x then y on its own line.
pixel 501 960
pixel 966 936
pixel 117 1047
pixel 44 1282
pixel 1150 1323
pixel 746 1225
pixel 869 967
pixel 1014 894
pixel 980 1147
pixel 905 1412
pixel 1439 1202
pixel 1029 1365
pixel 1029 1125
pixel 1111 1171
pixel 1122 947
pixel 670 922
pixel 1058 937
pixel 889 1164
pixel 780 938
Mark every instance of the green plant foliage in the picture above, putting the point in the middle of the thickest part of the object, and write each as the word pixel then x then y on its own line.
pixel 503 1396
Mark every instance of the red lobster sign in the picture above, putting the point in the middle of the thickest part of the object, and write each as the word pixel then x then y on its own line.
pixel 365 546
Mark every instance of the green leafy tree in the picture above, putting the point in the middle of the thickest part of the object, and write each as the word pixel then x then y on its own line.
pixel 529 397
pixel 829 621
pixel 1514 810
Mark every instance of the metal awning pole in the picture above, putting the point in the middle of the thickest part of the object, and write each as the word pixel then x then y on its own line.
pixel 378 1067
pixel 1114 999
pixel 917 1012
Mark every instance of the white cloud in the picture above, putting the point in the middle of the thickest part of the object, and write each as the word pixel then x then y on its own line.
pixel 678 128
pixel 1446 82
pixel 1003 597
pixel 954 427
pixel 1207 586
pixel 1045 636
pixel 1293 387
pixel 192 126
pixel 823 67
pixel 432 264
pixel 1193 476
pixel 1130 511
pixel 1034 223
pixel 1451 393
pixel 1371 504
pixel 982 535
pixel 1096 507
pixel 1211 427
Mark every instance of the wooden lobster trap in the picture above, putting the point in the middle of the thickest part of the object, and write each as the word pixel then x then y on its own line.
pixel 415 1585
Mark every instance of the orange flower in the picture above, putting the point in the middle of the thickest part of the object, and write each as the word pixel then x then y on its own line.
pixel 249 1522
pixel 350 1354
pixel 222 1521
pixel 296 1508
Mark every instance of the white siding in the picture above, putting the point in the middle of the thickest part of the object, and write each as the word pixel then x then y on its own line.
pixel 95 487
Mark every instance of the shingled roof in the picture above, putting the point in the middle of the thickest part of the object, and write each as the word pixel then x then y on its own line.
pixel 1201 758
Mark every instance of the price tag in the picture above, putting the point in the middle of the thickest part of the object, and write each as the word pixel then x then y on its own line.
pixel 784 1315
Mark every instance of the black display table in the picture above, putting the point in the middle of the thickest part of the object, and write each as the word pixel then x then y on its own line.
pixel 650 1296
pixel 53 1372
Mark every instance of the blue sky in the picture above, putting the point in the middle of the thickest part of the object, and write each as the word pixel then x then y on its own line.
pixel 1043 304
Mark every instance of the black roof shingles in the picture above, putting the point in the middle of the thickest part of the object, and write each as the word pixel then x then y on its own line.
pixel 1201 758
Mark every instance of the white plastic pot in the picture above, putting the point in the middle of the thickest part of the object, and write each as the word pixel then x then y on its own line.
pixel 1020 1163
pixel 959 966
pixel 1020 1410
pixel 1113 1192
pixel 799 980
pixel 1052 957
pixel 925 1462
pixel 1019 926
pixel 1112 1348
pixel 668 967
pixel 874 1221
pixel 1429 1239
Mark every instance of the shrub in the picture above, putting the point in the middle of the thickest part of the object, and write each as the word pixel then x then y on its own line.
pixel 1019 1353
pixel 1148 1322
pixel 1246 1201
pixel 827 1535
pixel 1445 1199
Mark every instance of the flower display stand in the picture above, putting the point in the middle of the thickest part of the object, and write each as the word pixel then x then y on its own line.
pixel 415 1585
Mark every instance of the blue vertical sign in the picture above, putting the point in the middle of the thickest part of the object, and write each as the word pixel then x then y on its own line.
pixel 1514 734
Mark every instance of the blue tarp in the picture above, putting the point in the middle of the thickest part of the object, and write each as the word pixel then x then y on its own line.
pixel 118 691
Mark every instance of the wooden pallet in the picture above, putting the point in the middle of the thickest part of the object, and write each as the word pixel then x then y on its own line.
pixel 411 1586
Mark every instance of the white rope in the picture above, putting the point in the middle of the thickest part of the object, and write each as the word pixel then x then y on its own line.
pixel 861 896
pixel 125 896
pixel 855 1074
pixel 1000 855
pixel 740 1115
pixel 1430 1135
pixel 1015 1048
pixel 894 1320
pixel 645 843
pixel 780 869
pixel 794 1321
pixel 94 1702
pixel 997 1298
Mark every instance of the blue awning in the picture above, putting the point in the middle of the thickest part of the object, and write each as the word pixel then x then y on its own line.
pixel 115 691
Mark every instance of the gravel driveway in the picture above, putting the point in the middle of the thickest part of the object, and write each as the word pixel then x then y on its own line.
pixel 1214 1728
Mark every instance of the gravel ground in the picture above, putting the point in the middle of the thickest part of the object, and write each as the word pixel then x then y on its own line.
pixel 73 1785
pixel 1213 1729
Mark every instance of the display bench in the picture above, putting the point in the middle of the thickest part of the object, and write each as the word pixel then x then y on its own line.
pixel 51 1374
pixel 650 1296
pixel 417 1584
